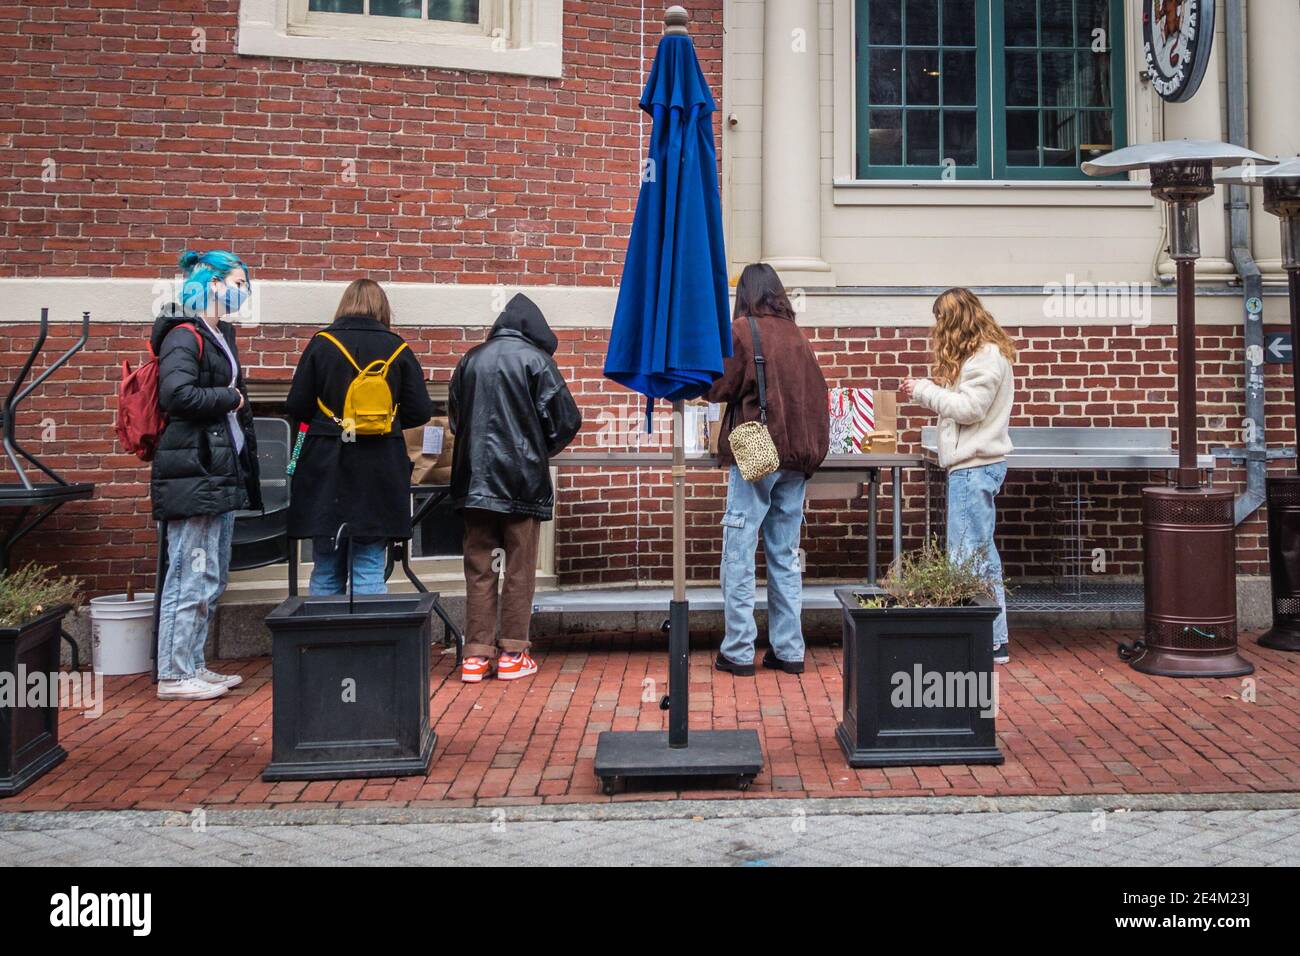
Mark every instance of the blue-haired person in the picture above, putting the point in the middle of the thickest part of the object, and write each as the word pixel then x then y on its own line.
pixel 205 468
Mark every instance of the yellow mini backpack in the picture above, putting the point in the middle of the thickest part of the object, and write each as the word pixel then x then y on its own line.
pixel 368 404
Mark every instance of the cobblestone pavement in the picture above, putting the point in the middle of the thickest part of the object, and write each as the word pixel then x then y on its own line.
pixel 1251 830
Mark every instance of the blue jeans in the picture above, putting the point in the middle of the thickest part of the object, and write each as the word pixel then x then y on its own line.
pixel 773 506
pixel 971 517
pixel 198 566
pixel 329 573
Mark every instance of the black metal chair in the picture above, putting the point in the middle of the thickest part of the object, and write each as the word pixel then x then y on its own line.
pixel 261 537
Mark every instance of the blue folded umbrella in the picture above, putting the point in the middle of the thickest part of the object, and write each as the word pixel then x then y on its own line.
pixel 671 326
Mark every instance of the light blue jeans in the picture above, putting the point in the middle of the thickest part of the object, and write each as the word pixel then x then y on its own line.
pixel 329 573
pixel 774 507
pixel 198 566
pixel 971 518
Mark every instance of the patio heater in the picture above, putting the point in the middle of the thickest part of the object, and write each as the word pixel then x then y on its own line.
pixel 1188 533
pixel 1281 185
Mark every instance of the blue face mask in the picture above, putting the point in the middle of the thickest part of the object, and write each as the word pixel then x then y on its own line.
pixel 234 298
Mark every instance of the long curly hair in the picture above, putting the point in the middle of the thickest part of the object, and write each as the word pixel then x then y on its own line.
pixel 961 327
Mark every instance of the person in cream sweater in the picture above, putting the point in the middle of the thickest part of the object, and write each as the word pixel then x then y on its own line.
pixel 972 391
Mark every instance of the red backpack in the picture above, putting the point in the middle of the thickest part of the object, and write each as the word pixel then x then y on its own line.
pixel 140 419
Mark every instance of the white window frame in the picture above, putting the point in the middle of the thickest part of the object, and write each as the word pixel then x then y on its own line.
pixel 522 37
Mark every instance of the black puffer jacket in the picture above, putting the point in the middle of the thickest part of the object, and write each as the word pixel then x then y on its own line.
pixel 196 471
pixel 511 412
pixel 365 482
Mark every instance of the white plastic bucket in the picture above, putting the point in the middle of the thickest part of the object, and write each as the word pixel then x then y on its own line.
pixel 122 633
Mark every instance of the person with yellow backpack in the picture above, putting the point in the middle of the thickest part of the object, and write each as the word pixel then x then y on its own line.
pixel 356 387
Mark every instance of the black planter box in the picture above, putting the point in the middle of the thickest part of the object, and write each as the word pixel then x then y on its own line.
pixel 918 684
pixel 29 736
pixel 350 691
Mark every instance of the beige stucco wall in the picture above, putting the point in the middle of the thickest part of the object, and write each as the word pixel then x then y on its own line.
pixel 1012 234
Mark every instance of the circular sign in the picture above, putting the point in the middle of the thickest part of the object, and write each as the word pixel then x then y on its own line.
pixel 1179 35
pixel 1254 305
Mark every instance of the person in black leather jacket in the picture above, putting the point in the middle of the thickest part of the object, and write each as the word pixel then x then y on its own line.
pixel 205 468
pixel 511 411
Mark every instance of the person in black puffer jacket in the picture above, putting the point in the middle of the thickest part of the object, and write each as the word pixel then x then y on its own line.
pixel 205 468
pixel 511 412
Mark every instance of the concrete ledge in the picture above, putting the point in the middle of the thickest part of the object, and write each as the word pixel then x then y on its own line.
pixel 750 808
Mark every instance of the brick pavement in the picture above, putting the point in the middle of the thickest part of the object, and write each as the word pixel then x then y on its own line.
pixel 1073 720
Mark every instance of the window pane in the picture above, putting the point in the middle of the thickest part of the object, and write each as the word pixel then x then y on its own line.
pixel 1056 22
pixel 1092 15
pixel 1097 135
pixel 1022 79
pixel 960 140
pixel 922 77
pixel 959 77
pixel 923 137
pixel 886 85
pixel 1094 79
pixel 885 137
pixel 959 22
pixel 885 21
pixel 336 6
pixel 1058 79
pixel 395 8
pixel 1058 138
pixel 457 11
pixel 922 22
pixel 1022 137
pixel 1021 23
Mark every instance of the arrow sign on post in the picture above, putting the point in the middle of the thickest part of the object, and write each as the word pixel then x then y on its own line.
pixel 1277 347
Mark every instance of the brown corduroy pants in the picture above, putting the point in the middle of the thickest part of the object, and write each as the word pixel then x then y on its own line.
pixel 496 543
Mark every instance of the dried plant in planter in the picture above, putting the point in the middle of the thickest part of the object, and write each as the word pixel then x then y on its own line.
pixel 933 578
pixel 31 591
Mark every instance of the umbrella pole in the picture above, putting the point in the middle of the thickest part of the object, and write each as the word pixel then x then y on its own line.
pixel 679 637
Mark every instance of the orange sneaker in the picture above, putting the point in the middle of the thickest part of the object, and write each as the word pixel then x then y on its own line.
pixel 515 666
pixel 474 669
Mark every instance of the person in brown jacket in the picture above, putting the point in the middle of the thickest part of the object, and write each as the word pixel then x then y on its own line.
pixel 799 423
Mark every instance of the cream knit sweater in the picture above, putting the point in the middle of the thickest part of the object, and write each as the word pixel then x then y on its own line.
pixel 973 414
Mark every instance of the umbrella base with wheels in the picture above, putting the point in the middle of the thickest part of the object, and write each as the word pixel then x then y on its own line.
pixel 621 755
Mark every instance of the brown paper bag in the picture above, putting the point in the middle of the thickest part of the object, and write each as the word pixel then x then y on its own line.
pixel 429 469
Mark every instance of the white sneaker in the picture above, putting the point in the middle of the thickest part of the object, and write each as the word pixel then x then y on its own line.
pixel 222 680
pixel 189 689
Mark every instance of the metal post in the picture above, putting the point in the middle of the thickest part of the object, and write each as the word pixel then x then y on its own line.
pixel 897 549
pixel 1293 285
pixel 1188 473
pixel 873 489
pixel 679 636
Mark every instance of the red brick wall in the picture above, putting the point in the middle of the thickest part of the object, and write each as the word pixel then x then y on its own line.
pixel 616 525
pixel 470 178
pixel 459 177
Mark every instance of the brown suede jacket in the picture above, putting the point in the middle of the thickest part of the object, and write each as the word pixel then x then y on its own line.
pixel 797 414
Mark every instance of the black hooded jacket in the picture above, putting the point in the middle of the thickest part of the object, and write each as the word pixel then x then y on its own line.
pixel 511 412
pixel 196 471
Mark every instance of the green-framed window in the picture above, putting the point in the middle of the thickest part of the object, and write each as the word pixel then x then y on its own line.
pixel 987 89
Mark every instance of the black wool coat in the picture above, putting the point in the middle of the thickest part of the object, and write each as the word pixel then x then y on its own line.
pixel 196 471
pixel 365 482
